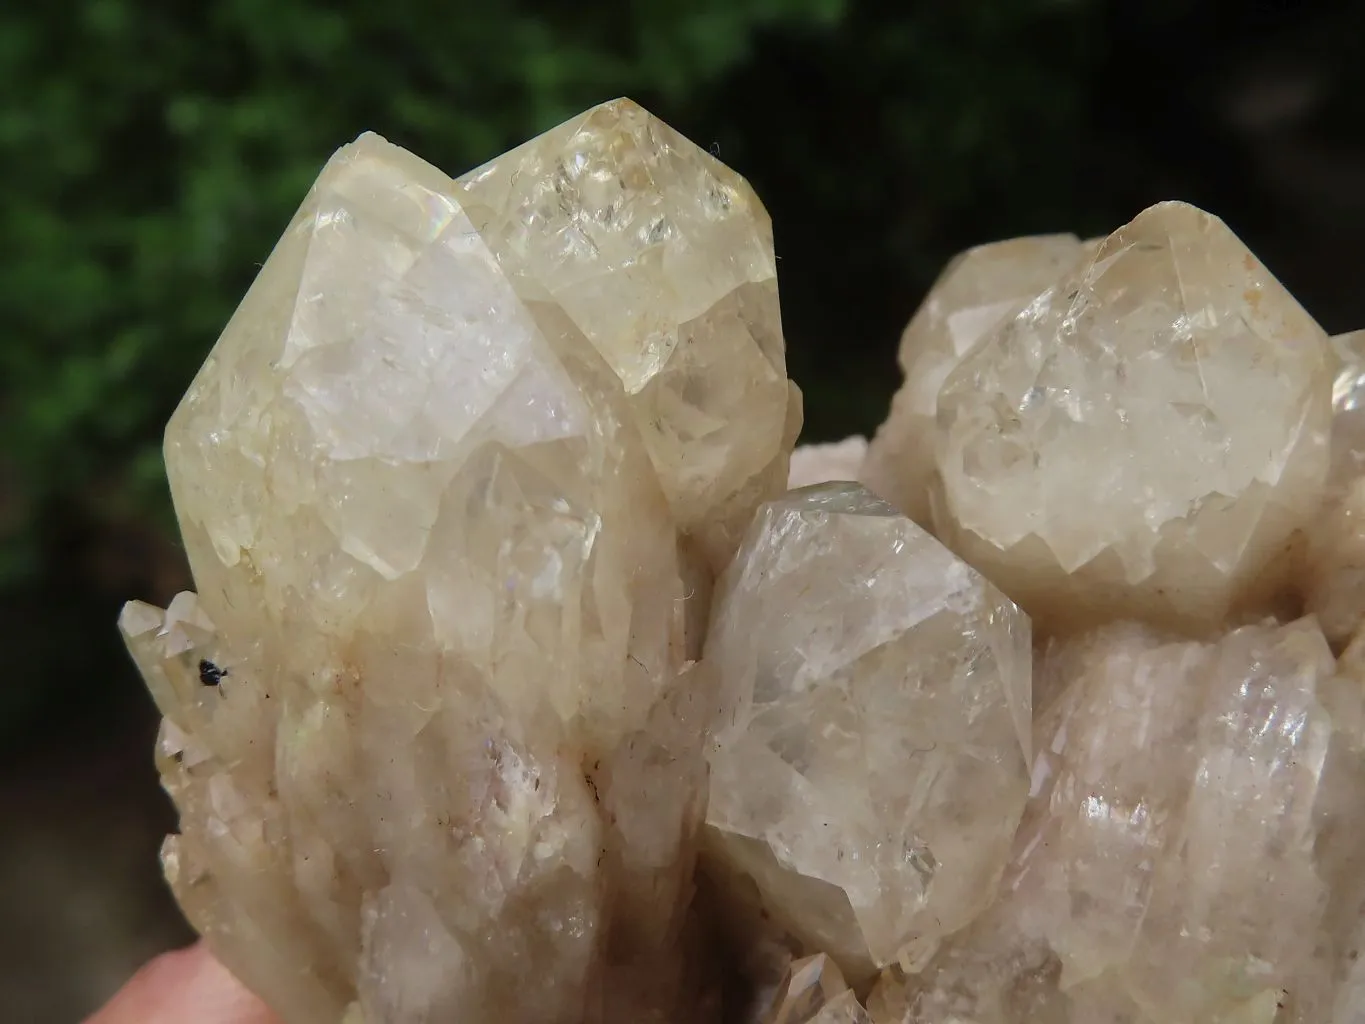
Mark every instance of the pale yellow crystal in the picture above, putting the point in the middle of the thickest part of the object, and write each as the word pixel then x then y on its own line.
pixel 974 294
pixel 663 257
pixel 1334 576
pixel 1146 438
pixel 872 761
pixel 453 766
pixel 827 463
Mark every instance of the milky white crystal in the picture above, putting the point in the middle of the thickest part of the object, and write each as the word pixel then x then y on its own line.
pixel 976 291
pixel 448 483
pixel 1145 438
pixel 1190 807
pixel 872 761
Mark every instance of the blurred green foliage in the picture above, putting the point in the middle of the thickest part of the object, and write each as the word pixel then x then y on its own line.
pixel 151 151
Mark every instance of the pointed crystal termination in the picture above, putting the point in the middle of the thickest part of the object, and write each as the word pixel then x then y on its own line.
pixel 428 722
pixel 873 760
pixel 814 992
pixel 1145 438
pixel 977 291
pixel 663 257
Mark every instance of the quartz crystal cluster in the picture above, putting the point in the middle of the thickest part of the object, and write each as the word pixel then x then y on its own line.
pixel 453 484
pixel 520 687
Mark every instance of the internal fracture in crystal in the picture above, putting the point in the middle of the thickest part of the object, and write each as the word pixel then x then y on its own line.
pixel 448 483
pixel 517 688
pixel 980 289
pixel 902 656
pixel 663 257
pixel 1147 437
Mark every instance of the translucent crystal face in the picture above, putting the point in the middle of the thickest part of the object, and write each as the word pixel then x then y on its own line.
pixel 1145 436
pixel 386 425
pixel 1333 583
pixel 976 292
pixel 876 734
pixel 1167 867
pixel 462 702
pixel 663 257
pixel 442 482
pixel 814 992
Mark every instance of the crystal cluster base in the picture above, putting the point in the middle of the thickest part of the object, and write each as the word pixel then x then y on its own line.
pixel 532 677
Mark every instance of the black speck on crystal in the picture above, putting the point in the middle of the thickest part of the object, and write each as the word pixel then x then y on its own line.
pixel 209 673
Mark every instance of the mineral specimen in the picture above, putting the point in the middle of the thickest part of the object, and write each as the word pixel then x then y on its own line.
pixel 1145 438
pixel 516 689
pixel 434 481
pixel 663 258
pixel 873 760
pixel 976 292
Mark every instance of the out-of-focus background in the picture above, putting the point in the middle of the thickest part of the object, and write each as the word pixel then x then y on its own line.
pixel 152 150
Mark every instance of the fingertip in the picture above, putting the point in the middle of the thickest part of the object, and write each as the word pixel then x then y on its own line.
pixel 182 986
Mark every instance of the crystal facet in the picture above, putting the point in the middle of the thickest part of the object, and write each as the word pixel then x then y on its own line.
pixel 663 257
pixel 1145 438
pixel 1170 865
pixel 450 483
pixel 518 688
pixel 814 992
pixel 904 656
pixel 1334 578
pixel 977 291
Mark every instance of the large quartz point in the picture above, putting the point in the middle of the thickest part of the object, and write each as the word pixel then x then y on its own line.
pixel 976 292
pixel 429 722
pixel 1334 577
pixel 1146 438
pixel 663 257
pixel 872 762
